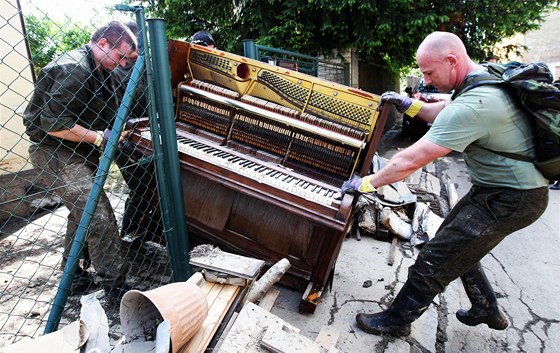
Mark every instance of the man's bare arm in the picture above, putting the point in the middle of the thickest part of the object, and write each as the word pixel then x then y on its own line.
pixel 77 133
pixel 408 161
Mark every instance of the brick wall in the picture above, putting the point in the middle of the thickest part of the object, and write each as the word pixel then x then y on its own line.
pixel 544 44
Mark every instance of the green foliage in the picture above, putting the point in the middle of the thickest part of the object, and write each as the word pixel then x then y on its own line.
pixel 49 39
pixel 385 33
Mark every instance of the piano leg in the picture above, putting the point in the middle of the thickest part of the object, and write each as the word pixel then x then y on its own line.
pixel 310 298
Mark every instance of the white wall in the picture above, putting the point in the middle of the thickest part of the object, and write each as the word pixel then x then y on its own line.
pixel 16 85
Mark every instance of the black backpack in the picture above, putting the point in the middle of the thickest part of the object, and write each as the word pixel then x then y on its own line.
pixel 533 85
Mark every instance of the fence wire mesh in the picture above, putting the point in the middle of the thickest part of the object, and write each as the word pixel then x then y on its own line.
pixel 46 178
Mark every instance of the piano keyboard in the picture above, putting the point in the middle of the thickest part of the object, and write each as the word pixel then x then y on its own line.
pixel 258 171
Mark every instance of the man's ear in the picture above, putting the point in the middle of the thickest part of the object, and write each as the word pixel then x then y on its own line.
pixel 452 59
pixel 102 42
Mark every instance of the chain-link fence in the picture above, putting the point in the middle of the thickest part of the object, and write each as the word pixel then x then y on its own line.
pixel 59 99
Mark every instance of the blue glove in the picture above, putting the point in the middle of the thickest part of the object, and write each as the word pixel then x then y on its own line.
pixel 358 184
pixel 106 135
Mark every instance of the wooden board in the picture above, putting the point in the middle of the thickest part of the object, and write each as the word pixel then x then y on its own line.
pixel 267 302
pixel 212 258
pixel 220 298
pixel 328 337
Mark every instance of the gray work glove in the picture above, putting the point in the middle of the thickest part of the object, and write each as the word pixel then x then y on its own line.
pixel 401 103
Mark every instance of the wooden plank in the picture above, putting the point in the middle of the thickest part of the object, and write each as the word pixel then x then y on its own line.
pixel 212 258
pixel 225 331
pixel 328 337
pixel 220 298
pixel 267 302
pixel 197 278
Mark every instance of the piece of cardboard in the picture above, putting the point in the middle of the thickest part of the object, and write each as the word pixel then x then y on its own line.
pixel 69 339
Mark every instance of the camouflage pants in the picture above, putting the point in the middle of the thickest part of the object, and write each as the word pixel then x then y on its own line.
pixel 71 176
pixel 479 222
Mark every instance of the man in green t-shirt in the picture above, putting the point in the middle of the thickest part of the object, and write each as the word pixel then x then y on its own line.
pixel 507 194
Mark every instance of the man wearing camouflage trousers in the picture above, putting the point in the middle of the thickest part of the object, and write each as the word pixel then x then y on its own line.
pixel 72 105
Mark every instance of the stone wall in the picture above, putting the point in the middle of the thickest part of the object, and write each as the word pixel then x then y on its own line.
pixel 544 45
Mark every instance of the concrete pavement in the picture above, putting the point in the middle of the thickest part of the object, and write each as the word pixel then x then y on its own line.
pixel 524 270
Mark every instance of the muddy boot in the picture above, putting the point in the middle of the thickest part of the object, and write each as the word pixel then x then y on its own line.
pixel 407 307
pixel 484 306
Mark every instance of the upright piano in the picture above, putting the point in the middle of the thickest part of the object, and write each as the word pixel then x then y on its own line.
pixel 264 151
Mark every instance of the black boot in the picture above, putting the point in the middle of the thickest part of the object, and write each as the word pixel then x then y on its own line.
pixel 387 322
pixel 484 308
pixel 407 307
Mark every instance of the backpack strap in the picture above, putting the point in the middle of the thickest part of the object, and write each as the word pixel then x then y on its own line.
pixel 492 77
pixel 515 156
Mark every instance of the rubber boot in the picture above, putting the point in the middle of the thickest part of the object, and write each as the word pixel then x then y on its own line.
pixel 407 307
pixel 484 306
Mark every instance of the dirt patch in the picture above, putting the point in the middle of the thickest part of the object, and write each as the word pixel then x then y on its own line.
pixel 31 273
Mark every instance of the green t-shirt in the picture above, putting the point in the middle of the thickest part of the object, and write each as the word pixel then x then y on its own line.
pixel 487 116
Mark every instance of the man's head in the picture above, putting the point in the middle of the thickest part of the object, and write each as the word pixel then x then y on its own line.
pixel 203 38
pixel 134 55
pixel 443 60
pixel 113 45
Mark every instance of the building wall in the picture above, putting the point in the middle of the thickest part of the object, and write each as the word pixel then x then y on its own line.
pixel 544 44
pixel 16 84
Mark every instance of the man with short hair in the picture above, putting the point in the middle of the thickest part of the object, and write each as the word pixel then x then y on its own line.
pixel 203 38
pixel 72 105
pixel 507 194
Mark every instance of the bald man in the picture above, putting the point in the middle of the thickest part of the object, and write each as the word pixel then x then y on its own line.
pixel 506 194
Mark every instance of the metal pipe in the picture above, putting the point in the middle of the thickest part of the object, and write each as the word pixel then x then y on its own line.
pixel 250 49
pixel 163 191
pixel 177 239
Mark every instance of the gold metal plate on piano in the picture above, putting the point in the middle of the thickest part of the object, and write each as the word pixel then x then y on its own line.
pixel 335 103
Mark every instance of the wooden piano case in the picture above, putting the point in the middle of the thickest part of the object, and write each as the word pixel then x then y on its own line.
pixel 263 152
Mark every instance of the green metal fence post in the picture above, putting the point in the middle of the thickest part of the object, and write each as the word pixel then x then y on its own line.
pixel 177 239
pixel 347 74
pixel 250 49
pixel 163 191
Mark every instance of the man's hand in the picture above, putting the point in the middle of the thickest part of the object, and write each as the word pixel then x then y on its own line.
pixel 358 184
pixel 403 104
pixel 104 137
